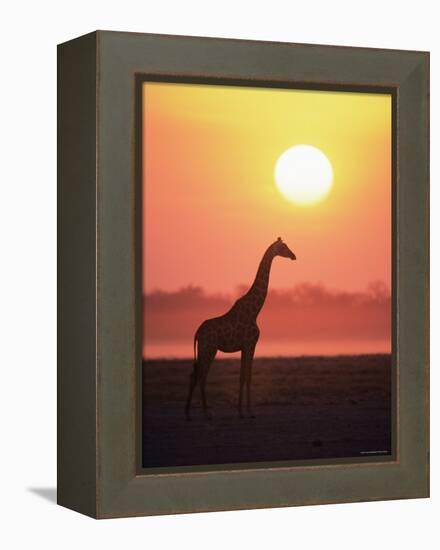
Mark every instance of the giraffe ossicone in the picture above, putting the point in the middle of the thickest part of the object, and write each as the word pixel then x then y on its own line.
pixel 234 331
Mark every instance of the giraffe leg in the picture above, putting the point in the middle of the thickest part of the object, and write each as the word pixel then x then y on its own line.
pixel 248 360
pixel 249 408
pixel 206 360
pixel 242 382
pixel 192 385
pixel 247 355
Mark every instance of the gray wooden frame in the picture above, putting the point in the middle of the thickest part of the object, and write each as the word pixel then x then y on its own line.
pixel 98 275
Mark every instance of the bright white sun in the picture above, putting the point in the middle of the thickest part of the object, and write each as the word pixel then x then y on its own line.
pixel 303 174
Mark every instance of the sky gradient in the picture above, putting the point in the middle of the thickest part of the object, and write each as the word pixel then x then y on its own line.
pixel 211 206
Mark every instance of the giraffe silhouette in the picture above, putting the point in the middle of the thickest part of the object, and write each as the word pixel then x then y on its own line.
pixel 234 331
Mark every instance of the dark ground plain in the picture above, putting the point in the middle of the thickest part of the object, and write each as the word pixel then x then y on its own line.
pixel 306 408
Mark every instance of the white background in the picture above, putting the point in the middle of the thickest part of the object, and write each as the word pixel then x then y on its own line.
pixel 29 34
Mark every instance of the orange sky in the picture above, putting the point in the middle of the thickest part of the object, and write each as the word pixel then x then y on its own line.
pixel 210 198
pixel 211 206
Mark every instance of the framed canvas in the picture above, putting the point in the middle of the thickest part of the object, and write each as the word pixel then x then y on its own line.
pixel 243 274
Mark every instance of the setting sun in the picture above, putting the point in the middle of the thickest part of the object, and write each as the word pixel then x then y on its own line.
pixel 304 174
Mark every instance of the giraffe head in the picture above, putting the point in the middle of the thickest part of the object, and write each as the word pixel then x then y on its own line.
pixel 281 249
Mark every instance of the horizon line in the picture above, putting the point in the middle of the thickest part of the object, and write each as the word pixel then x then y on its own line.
pixel 265 357
pixel 241 286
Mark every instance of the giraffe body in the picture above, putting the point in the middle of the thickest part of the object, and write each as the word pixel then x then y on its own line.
pixel 234 331
pixel 230 332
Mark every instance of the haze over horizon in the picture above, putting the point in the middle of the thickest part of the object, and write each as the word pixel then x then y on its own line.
pixel 304 320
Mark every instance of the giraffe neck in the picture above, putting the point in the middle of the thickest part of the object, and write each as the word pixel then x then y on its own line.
pixel 258 291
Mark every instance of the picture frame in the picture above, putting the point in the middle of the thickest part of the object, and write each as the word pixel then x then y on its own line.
pixel 99 310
